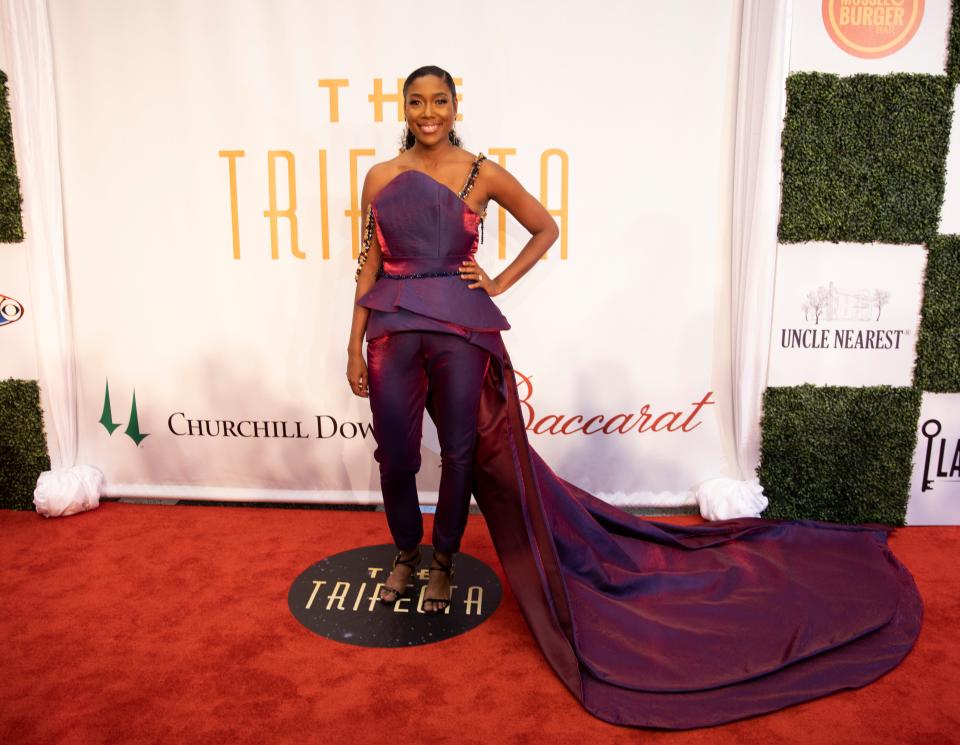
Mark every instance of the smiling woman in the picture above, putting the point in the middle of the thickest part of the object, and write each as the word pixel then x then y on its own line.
pixel 420 288
pixel 646 623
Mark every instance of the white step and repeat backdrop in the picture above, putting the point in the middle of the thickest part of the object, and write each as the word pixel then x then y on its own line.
pixel 212 156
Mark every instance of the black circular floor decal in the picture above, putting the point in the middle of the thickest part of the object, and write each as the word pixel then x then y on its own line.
pixel 338 598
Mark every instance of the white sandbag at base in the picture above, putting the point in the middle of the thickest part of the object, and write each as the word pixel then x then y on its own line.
pixel 724 499
pixel 67 491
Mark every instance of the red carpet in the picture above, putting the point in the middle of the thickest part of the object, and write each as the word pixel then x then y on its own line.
pixel 151 623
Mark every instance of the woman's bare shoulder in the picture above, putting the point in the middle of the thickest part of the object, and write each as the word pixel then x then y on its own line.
pixel 384 167
pixel 379 175
pixel 492 177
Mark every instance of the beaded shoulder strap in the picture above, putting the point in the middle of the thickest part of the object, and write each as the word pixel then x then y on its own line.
pixel 474 170
pixel 469 185
pixel 365 242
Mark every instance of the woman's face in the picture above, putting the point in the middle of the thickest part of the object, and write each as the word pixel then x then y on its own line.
pixel 429 108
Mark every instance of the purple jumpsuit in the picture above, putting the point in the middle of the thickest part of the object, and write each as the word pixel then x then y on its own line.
pixel 429 341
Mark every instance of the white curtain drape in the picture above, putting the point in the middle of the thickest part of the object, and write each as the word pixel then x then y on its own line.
pixel 761 98
pixel 761 102
pixel 67 488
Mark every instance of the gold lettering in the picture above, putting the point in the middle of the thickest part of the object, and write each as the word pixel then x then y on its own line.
pixel 501 153
pixel 423 593
pixel 459 83
pixel 474 600
pixel 354 212
pixel 356 603
pixel 561 212
pixel 317 584
pixel 378 98
pixel 231 156
pixel 274 213
pixel 375 597
pixel 324 207
pixel 338 595
pixel 333 94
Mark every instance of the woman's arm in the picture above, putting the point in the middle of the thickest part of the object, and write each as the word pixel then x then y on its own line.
pixel 356 366
pixel 500 185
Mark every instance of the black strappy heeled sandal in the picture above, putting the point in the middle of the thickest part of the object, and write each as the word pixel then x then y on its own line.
pixel 444 602
pixel 397 594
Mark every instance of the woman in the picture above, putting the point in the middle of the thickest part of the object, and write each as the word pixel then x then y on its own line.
pixel 647 623
pixel 454 366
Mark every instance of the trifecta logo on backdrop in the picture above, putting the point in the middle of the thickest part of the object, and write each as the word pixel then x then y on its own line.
pixel 283 209
pixel 872 28
pixel 10 310
pixel 830 304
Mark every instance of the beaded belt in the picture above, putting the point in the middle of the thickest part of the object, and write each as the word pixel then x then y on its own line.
pixel 417 275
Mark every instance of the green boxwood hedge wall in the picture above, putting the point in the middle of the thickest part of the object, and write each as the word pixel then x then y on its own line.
pixel 864 157
pixel 23 447
pixel 953 46
pixel 837 453
pixel 11 222
pixel 938 344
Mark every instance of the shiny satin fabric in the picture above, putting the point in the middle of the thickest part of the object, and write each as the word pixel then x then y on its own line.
pixel 422 226
pixel 403 370
pixel 647 623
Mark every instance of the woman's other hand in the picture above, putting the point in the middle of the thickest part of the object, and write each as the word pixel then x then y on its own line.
pixel 470 270
pixel 357 374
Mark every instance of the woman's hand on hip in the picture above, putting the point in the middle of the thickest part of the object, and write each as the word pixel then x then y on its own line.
pixel 357 374
pixel 470 270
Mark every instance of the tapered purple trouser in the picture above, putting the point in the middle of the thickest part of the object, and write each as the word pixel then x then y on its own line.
pixel 410 370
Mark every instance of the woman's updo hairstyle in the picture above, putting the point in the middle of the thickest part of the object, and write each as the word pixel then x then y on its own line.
pixel 408 139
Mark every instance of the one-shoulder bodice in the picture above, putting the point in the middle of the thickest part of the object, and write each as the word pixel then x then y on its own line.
pixel 426 231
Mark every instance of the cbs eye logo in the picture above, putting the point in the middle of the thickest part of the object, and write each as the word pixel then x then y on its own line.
pixel 10 310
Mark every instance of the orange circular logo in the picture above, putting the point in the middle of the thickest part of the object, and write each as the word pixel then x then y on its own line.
pixel 872 28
